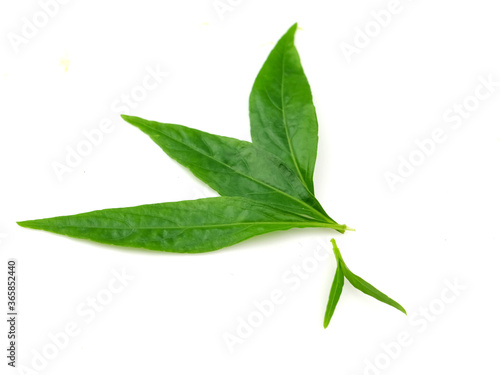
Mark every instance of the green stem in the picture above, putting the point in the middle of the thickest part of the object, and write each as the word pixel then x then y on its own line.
pixel 336 250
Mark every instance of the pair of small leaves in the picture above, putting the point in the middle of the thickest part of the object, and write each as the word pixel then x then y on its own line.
pixel 266 185
pixel 338 283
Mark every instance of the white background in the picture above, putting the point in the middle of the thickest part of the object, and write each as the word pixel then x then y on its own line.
pixel 439 226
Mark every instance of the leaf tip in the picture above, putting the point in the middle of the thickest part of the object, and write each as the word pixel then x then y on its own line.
pixel 328 318
pixel 293 28
pixel 133 120
pixel 127 117
pixel 33 224
pixel 25 223
pixel 402 309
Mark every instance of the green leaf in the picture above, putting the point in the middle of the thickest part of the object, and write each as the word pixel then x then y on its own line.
pixel 362 285
pixel 235 168
pixel 335 292
pixel 282 114
pixel 185 227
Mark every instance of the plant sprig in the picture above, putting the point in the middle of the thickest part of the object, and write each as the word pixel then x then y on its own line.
pixel 265 185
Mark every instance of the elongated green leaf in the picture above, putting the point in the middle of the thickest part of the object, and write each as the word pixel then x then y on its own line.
pixel 335 292
pixel 185 227
pixel 362 285
pixel 234 168
pixel 282 114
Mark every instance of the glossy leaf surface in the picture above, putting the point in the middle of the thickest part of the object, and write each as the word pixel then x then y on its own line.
pixel 233 167
pixel 186 227
pixel 335 292
pixel 282 114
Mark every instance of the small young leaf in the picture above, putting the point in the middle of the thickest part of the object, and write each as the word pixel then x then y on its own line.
pixel 362 285
pixel 335 292
pixel 282 114
pixel 185 227
pixel 233 167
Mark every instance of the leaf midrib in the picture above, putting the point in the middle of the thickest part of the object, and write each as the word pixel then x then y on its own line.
pixel 276 223
pixel 285 122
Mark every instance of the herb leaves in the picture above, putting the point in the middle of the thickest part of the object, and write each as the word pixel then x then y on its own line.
pixel 235 168
pixel 357 282
pixel 265 185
